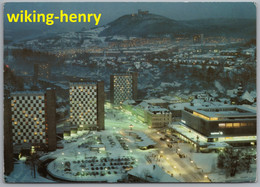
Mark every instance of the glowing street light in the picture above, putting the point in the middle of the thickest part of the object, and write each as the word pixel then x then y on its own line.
pixel 205 176
pixel 191 161
pixel 161 152
pixel 131 128
pixel 62 153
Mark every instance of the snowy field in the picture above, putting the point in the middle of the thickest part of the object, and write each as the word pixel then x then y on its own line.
pixel 109 155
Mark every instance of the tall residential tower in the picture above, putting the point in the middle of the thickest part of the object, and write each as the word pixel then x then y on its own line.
pixel 87 105
pixel 33 118
pixel 123 87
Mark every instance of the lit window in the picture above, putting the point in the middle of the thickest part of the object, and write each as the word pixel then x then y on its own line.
pixel 40 133
pixel 222 125
pixel 24 140
pixel 229 125
pixel 243 124
pixel 35 133
pixel 236 125
pixel 19 133
pixel 26 115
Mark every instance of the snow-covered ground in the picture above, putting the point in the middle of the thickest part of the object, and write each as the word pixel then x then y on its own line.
pixel 108 155
pixel 23 173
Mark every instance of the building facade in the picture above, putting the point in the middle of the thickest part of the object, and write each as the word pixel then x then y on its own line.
pixel 157 117
pixel 8 143
pixel 123 87
pixel 87 105
pixel 232 124
pixel 33 118
pixel 42 71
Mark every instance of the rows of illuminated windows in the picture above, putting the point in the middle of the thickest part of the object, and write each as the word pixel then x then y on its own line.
pixel 235 125
pixel 28 118
pixel 205 117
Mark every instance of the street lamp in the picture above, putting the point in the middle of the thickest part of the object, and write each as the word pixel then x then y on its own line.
pixel 131 128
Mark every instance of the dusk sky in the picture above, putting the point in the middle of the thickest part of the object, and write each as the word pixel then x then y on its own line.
pixel 111 11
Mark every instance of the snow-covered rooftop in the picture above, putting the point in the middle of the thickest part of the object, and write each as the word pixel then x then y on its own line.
pixel 27 93
pixel 224 111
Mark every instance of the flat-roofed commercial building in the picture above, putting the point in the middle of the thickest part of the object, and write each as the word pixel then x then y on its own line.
pixel 158 117
pixel 235 124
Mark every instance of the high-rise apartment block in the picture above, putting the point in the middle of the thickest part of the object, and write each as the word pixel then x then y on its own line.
pixel 123 87
pixel 33 118
pixel 8 143
pixel 42 71
pixel 87 105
